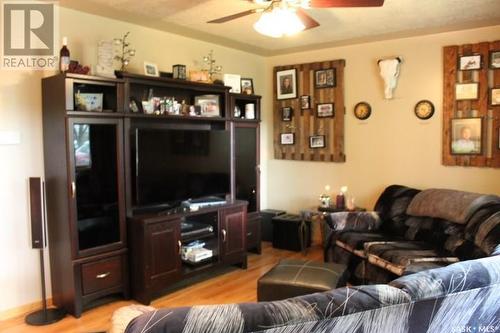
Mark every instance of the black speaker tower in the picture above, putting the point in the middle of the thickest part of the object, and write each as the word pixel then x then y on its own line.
pixel 44 316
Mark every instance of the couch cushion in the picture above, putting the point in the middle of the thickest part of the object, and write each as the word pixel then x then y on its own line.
pixel 464 275
pixel 354 241
pixel 452 205
pixel 397 256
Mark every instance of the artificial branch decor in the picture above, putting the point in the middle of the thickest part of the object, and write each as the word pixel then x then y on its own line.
pixel 212 67
pixel 126 53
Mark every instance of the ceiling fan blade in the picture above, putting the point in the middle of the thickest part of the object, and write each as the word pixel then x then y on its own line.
pixel 235 16
pixel 308 21
pixel 345 3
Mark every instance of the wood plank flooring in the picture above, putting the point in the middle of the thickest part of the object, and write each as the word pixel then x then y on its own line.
pixel 232 287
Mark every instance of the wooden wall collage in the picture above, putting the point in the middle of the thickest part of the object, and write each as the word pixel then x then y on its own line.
pixel 309 111
pixel 471 105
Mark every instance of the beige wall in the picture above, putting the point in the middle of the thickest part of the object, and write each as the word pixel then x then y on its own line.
pixel 392 146
pixel 20 110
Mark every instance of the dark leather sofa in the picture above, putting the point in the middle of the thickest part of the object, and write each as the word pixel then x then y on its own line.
pixel 411 231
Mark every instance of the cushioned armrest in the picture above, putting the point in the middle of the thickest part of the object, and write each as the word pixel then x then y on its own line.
pixel 355 221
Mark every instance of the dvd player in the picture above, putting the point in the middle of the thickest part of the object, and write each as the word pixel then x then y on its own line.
pixel 195 204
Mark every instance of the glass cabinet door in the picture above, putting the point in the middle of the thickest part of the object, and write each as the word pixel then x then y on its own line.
pixel 97 183
pixel 246 166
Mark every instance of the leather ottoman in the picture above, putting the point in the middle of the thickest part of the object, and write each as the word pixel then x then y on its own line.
pixel 292 277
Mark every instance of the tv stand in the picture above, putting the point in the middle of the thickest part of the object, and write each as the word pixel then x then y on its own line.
pixel 156 241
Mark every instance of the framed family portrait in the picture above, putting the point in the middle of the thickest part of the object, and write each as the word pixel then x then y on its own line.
pixel 286 84
pixel 466 136
pixel 466 91
pixel 286 113
pixel 247 86
pixel 469 63
pixel 325 110
pixel 495 59
pixel 495 96
pixel 325 78
pixel 317 141
pixel 287 138
pixel 305 102
pixel 209 105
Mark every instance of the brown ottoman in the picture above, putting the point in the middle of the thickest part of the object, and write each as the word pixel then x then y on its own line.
pixel 292 277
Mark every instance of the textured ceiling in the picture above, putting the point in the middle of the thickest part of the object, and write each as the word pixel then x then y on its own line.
pixel 339 26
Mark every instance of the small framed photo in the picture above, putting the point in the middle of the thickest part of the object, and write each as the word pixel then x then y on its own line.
pixel 466 136
pixel 495 96
pixel 495 59
pixel 469 63
pixel 209 105
pixel 286 84
pixel 247 86
pixel 317 141
pixel 325 110
pixel 287 138
pixel 466 91
pixel 325 78
pixel 305 102
pixel 286 113
pixel 151 69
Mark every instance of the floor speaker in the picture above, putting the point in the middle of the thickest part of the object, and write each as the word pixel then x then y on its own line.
pixel 39 241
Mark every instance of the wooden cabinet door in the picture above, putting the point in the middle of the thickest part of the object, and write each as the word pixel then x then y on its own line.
pixel 233 234
pixel 163 241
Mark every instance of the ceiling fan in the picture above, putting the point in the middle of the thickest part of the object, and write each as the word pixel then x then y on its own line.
pixel 297 8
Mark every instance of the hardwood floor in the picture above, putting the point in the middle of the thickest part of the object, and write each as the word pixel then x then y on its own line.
pixel 233 287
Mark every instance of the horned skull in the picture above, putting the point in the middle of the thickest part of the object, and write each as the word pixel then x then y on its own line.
pixel 389 70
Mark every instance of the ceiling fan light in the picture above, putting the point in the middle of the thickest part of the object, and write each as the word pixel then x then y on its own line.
pixel 279 22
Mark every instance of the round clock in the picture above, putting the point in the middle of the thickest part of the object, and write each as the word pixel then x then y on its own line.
pixel 424 109
pixel 362 110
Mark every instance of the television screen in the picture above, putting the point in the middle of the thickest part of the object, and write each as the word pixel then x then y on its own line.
pixel 172 165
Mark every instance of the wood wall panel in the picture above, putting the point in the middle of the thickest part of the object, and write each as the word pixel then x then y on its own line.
pixel 486 78
pixel 305 123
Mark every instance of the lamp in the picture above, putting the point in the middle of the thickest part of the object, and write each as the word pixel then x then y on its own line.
pixel 280 21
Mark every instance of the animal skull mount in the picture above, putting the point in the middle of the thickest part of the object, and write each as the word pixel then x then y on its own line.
pixel 389 70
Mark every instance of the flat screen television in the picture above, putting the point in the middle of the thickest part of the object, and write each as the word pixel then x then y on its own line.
pixel 172 165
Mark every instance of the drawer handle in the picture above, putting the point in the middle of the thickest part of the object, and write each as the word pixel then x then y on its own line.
pixel 224 234
pixel 103 275
pixel 179 247
pixel 249 234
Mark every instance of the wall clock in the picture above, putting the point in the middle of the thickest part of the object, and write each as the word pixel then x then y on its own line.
pixel 424 109
pixel 362 110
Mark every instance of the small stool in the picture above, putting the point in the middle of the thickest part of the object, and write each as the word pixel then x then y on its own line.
pixel 291 278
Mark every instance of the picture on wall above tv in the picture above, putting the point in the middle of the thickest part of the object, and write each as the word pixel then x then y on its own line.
pixel 172 165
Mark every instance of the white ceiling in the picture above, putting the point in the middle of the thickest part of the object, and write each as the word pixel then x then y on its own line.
pixel 339 26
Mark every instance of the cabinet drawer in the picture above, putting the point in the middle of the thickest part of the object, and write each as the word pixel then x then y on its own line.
pixel 102 274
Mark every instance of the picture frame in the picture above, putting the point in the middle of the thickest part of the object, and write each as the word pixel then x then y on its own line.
pixel 287 138
pixel 209 105
pixel 470 62
pixel 317 141
pixel 325 110
pixel 151 69
pixel 233 81
pixel 495 96
pixel 466 91
pixel 286 113
pixel 466 136
pixel 286 84
pixel 325 78
pixel 179 72
pixel 305 102
pixel 494 59
pixel 247 86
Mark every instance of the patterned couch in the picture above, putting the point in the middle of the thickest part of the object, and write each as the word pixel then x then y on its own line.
pixel 411 231
pixel 462 297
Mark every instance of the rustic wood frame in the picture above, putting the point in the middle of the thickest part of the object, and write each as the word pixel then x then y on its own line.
pixel 304 122
pixel 487 78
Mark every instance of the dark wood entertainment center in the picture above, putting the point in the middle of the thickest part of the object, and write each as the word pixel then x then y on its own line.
pixel 95 232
